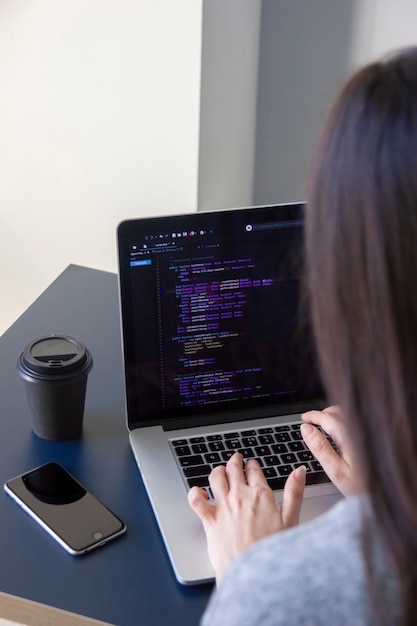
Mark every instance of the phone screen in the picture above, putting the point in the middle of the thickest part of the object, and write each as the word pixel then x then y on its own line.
pixel 64 508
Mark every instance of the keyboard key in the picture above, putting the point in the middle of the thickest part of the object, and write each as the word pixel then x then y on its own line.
pixel 198 481
pixel 179 442
pixel 271 460
pixel 269 472
pixel 262 450
pixel 296 446
pixel 288 458
pixel 316 466
pixel 276 483
pixel 247 453
pixel 282 437
pixel 214 437
pixel 306 465
pixel 316 478
pixel 279 448
pixel 305 456
pixel 182 450
pixel 266 439
pixel 197 440
pixel 231 435
pixel 195 459
pixel 282 429
pixel 264 431
pixel 227 455
pixel 197 470
pixel 284 470
pixel 212 457
pixel 199 448
pixel 216 446
pixel 249 442
pixel 296 435
pixel 233 444
pixel 248 433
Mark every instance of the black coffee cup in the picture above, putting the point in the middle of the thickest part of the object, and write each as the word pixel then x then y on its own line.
pixel 55 370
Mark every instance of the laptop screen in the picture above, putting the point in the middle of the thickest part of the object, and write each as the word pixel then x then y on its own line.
pixel 211 316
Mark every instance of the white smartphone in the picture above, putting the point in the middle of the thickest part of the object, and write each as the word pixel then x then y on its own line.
pixel 64 508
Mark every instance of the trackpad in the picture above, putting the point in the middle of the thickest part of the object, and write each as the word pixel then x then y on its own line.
pixel 317 505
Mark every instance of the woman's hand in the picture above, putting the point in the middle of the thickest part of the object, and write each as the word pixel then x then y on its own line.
pixel 337 465
pixel 245 509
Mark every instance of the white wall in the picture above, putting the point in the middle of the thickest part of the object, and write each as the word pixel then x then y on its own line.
pixel 99 121
pixel 382 26
pixel 99 116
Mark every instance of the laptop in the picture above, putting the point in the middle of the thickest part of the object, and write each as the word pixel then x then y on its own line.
pixel 218 358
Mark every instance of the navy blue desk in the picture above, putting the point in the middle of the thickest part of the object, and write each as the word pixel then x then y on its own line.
pixel 128 581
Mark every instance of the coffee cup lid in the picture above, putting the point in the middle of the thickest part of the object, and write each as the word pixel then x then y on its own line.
pixel 54 355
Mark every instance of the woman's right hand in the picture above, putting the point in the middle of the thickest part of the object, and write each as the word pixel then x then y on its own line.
pixel 337 465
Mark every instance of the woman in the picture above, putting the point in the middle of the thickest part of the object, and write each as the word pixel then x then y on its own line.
pixel 357 564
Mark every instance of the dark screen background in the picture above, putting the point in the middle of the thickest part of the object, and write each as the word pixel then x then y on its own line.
pixel 214 321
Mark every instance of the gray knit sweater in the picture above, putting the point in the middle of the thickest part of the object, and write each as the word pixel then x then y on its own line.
pixel 312 575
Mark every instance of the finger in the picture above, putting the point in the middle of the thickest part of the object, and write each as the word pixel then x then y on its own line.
pixel 234 470
pixel 197 499
pixel 312 417
pixel 333 464
pixel 218 482
pixel 330 420
pixel 317 443
pixel 254 474
pixel 292 498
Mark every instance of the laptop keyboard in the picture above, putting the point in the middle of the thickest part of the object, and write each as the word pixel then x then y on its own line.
pixel 278 450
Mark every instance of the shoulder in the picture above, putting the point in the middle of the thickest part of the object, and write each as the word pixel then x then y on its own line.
pixel 287 578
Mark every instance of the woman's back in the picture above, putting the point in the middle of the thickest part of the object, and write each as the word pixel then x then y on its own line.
pixel 312 574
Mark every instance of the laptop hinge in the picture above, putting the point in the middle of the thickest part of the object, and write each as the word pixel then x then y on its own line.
pixel 247 414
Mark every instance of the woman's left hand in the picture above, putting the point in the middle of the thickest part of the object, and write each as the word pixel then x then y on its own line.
pixel 244 510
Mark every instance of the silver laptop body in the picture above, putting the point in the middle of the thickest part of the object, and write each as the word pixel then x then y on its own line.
pixel 215 340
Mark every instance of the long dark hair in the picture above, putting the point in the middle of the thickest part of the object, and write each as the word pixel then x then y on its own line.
pixel 361 248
